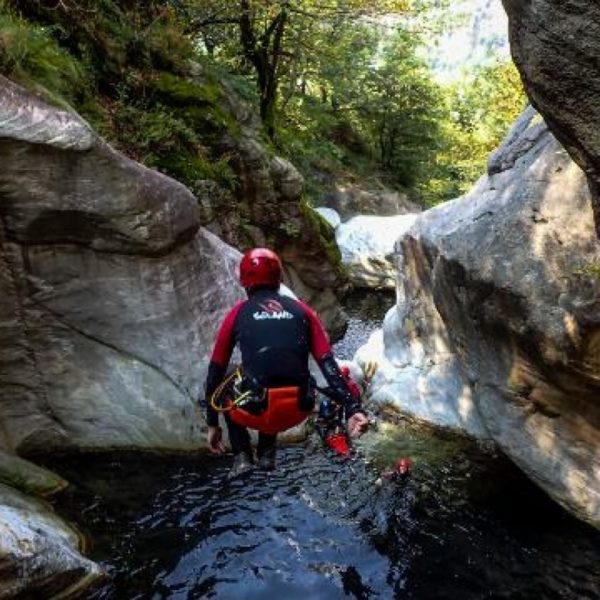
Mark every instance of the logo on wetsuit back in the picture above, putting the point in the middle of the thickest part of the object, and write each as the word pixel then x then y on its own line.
pixel 272 309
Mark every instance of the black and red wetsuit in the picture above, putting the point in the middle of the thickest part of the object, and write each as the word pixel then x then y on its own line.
pixel 275 334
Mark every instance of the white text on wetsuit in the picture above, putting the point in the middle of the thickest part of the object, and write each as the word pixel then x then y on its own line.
pixel 261 315
pixel 272 309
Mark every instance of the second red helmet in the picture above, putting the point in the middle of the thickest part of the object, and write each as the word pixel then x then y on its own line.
pixel 260 266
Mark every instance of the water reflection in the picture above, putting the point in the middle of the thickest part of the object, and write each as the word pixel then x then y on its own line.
pixel 466 525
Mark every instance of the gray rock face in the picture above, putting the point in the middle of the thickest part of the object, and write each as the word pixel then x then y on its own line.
pixel 499 307
pixel 367 246
pixel 556 44
pixel 350 201
pixel 39 554
pixel 111 292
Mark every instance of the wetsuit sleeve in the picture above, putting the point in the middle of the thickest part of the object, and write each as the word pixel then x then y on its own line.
pixel 323 354
pixel 338 386
pixel 219 361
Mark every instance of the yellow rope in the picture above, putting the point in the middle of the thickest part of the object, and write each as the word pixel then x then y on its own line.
pixel 236 401
pixel 219 390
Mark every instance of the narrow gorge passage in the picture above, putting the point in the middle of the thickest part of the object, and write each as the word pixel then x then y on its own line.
pixel 467 524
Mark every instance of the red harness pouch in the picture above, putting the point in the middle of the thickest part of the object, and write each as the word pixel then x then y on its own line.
pixel 282 412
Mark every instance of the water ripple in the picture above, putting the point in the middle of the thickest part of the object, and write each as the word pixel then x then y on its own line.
pixel 466 525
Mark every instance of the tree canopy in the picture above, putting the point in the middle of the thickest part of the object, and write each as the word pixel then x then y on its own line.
pixel 344 87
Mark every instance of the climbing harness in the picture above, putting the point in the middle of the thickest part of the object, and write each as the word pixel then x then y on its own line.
pixel 234 380
pixel 270 410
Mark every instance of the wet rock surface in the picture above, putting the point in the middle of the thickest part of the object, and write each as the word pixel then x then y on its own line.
pixel 39 554
pixel 367 246
pixel 498 318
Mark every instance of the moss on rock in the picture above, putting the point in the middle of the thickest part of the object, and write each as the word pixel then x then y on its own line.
pixel 27 477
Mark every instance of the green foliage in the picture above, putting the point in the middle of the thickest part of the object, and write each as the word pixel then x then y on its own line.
pixel 114 37
pixel 126 66
pixel 591 270
pixel 478 112
pixel 402 106
pixel 170 139
pixel 201 102
pixel 291 228
pixel 362 111
pixel 276 39
pixel 352 99
pixel 32 57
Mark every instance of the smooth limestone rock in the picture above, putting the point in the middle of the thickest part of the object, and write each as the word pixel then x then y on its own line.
pixel 556 44
pixel 497 326
pixel 110 296
pixel 39 554
pixel 330 215
pixel 367 246
pixel 351 201
pixel 111 292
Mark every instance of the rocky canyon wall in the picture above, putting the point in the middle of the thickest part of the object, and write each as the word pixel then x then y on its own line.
pixel 497 325
pixel 111 290
pixel 556 47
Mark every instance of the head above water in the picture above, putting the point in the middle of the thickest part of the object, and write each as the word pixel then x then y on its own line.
pixel 260 267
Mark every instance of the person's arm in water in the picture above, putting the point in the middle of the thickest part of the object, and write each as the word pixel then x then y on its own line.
pixel 321 350
pixel 217 369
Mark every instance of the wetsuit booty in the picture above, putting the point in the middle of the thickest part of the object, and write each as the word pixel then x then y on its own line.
pixel 266 458
pixel 242 463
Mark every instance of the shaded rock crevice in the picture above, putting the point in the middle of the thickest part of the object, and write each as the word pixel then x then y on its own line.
pixel 497 319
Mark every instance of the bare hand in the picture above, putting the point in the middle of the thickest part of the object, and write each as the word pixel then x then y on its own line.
pixel 357 425
pixel 213 438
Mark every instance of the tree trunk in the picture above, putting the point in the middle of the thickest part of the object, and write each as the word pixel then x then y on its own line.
pixel 264 54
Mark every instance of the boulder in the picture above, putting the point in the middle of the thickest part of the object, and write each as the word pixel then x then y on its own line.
pixel 367 246
pixel 556 44
pixel 39 553
pixel 497 326
pixel 350 201
pixel 111 291
pixel 331 216
pixel 28 477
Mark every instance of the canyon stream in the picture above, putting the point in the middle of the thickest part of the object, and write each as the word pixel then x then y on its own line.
pixel 466 524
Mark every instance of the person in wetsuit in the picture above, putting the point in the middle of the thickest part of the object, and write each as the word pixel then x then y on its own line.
pixel 276 334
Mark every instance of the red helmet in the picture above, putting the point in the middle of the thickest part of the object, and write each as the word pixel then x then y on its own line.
pixel 260 266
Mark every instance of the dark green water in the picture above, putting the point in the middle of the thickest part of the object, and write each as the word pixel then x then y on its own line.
pixel 465 525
